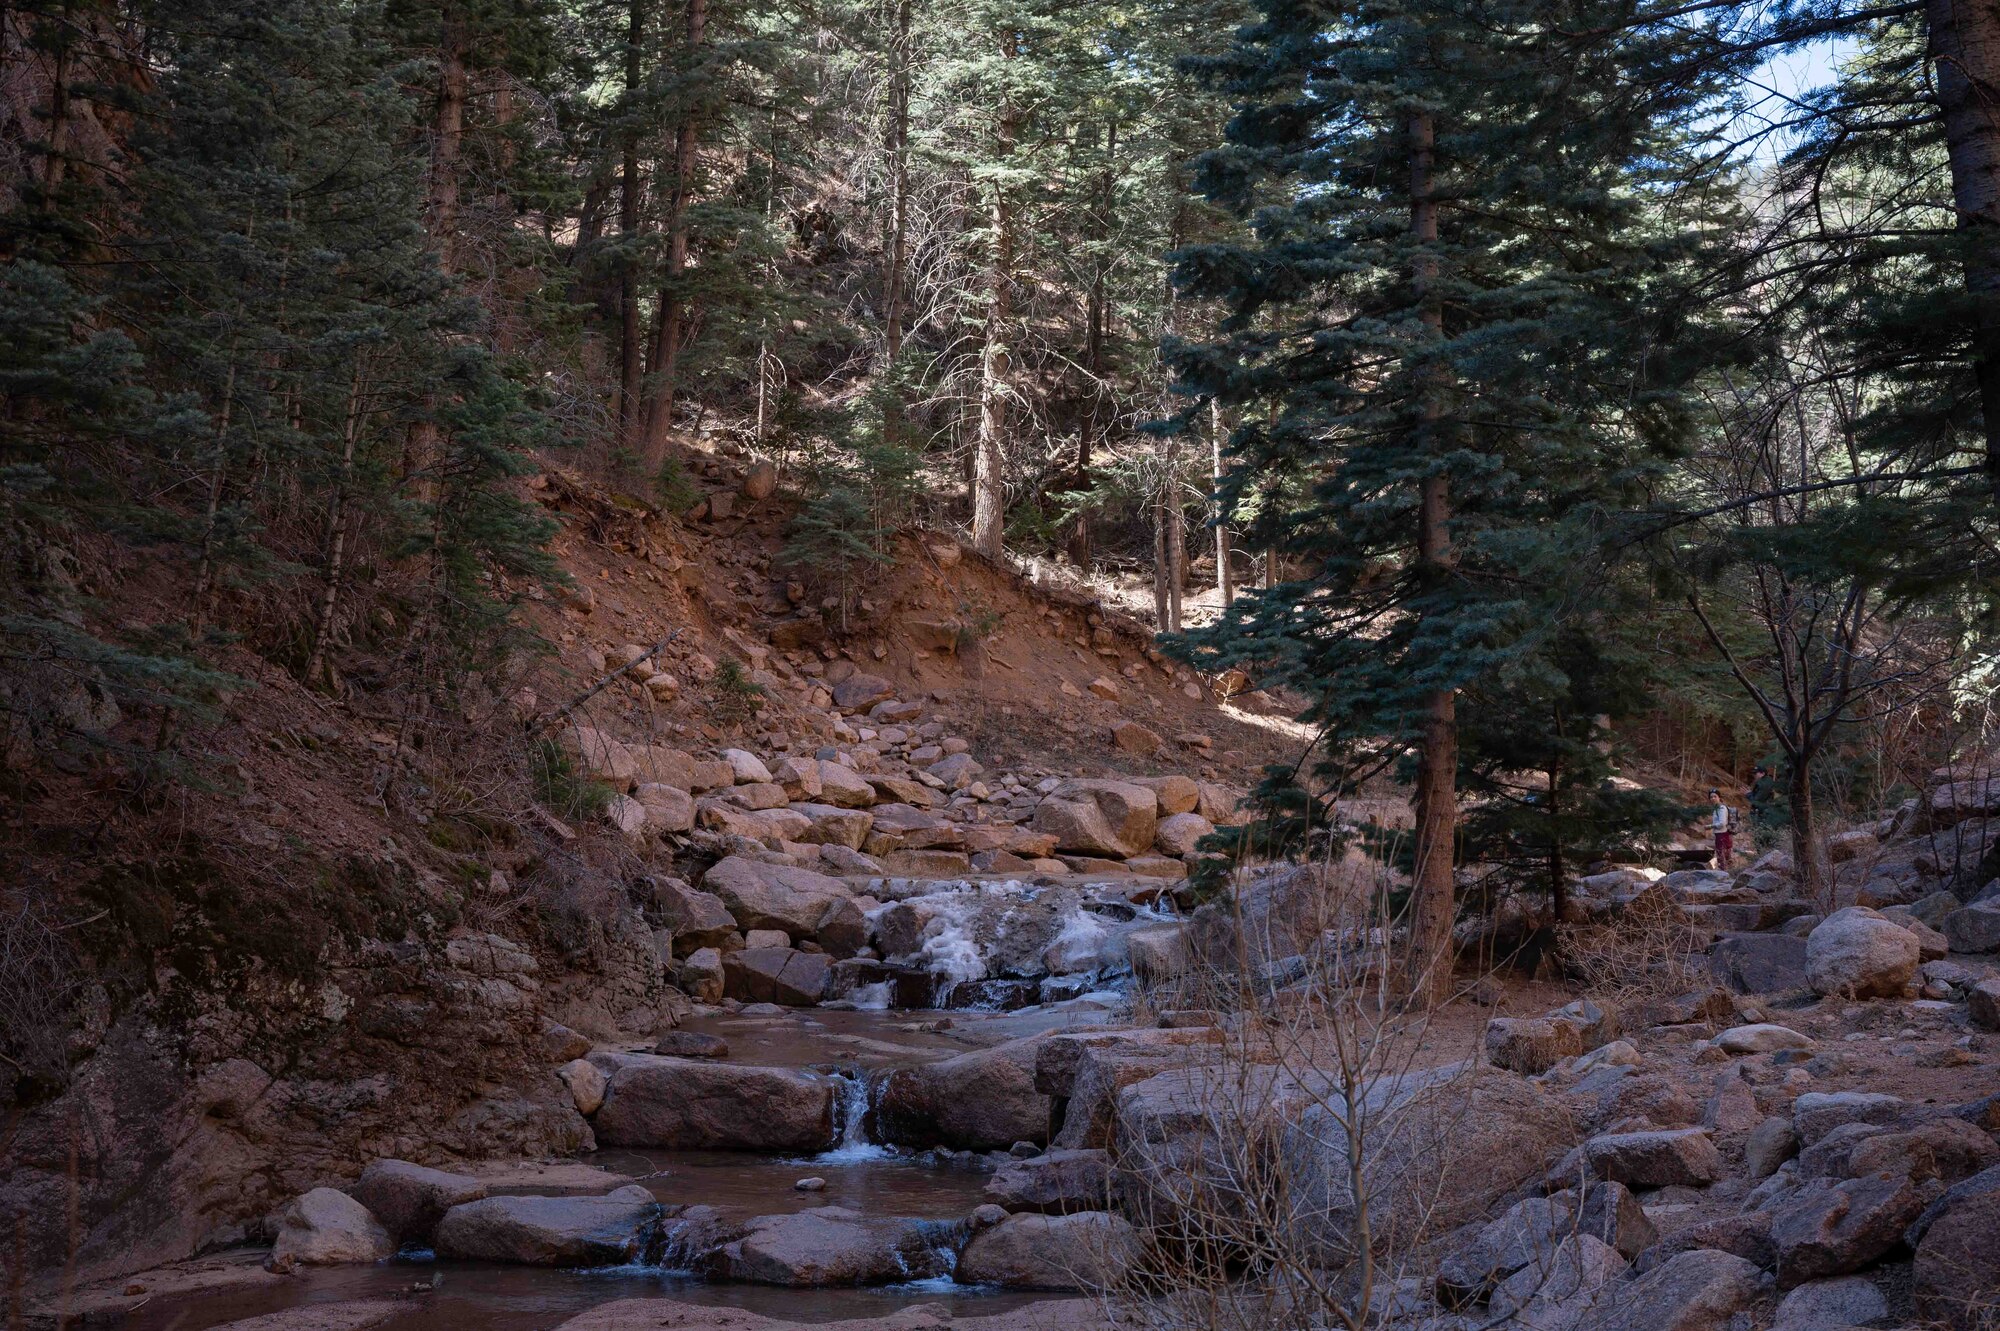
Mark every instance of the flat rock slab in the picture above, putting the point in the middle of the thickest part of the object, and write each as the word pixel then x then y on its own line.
pixel 1695 1291
pixel 1684 1156
pixel 834 1246
pixel 1086 1251
pixel 552 1231
pixel 673 1315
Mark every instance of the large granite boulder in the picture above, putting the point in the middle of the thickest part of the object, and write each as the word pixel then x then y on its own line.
pixel 1855 953
pixel 610 1230
pixel 1759 963
pixel 1699 1290
pixel 1112 818
pixel 1091 1250
pixel 776 975
pixel 774 896
pixel 1054 1183
pixel 984 1100
pixel 410 1199
pixel 325 1227
pixel 694 1105
pixel 1957 1269
pixel 1832 1229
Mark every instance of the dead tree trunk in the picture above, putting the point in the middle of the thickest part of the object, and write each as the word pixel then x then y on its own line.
pixel 1225 577
pixel 337 523
pixel 990 450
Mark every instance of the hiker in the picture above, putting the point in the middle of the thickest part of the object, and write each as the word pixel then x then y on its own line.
pixel 1723 823
pixel 1765 811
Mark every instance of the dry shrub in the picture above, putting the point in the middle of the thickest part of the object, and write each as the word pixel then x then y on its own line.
pixel 1649 951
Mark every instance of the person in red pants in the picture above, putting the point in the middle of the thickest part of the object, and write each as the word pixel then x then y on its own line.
pixel 1722 822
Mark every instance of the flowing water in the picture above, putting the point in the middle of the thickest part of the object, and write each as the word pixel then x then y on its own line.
pixel 866 1176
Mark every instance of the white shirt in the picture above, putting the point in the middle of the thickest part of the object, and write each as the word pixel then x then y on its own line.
pixel 1721 819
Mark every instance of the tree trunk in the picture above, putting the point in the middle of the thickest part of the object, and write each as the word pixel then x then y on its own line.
pixel 1436 795
pixel 336 543
pixel 1965 48
pixel 447 135
pixel 894 297
pixel 1096 316
pixel 1162 599
pixel 1225 577
pixel 631 368
pixel 1176 535
pixel 989 455
pixel 671 331
pixel 1807 855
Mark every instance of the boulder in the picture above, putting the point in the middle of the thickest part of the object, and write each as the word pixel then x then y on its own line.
pixel 1832 1229
pixel 1683 1156
pixel 769 826
pixel 1759 963
pixel 1699 1290
pixel 957 771
pixel 798 776
pixel 1954 801
pixel 1558 1286
pixel 1770 1144
pixel 1530 1045
pixel 1529 1232
pixel 776 975
pixel 1956 1275
pixel 758 796
pixel 1761 1038
pixel 860 691
pixel 1817 1113
pixel 746 768
pixel 1847 1301
pixel 586 1090
pixel 1158 953
pixel 696 919
pixel 1945 1150
pixel 692 1105
pixel 1054 1183
pixel 1178 833
pixel 668 808
pixel 1131 737
pixel 1090 1250
pixel 760 482
pixel 984 1100
pixel 831 1246
pixel 1851 845
pixel 700 975
pixel 611 1230
pixel 1976 928
pixel 326 1227
pixel 409 1199
pixel 1111 818
pixel 1855 953
pixel 774 896
pixel 897 827
pixel 627 815
pixel 835 826
pixel 1982 1003
pixel 842 785
pixel 1176 794
pixel 691 1044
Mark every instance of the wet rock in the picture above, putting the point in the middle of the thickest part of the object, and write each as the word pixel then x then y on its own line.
pixel 1956 1275
pixel 831 1246
pixel 1111 818
pixel 691 1044
pixel 687 1104
pixel 1830 1230
pixel 774 896
pixel 326 1227
pixel 409 1199
pixel 1090 1250
pixel 1699 1290
pixel 1054 1183
pixel 1846 1301
pixel 776 975
pixel 586 1088
pixel 1685 1156
pixel 551 1231
pixel 1855 953
pixel 984 1100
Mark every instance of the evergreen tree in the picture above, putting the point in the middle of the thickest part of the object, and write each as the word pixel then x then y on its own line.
pixel 1447 343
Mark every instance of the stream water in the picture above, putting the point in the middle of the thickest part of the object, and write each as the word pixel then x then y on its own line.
pixel 873 1179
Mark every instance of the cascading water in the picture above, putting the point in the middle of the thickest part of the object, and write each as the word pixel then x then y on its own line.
pixel 851 1112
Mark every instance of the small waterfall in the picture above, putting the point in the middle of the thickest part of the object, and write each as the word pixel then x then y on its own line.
pixel 851 1121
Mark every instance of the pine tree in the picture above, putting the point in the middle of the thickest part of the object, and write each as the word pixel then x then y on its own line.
pixel 1446 347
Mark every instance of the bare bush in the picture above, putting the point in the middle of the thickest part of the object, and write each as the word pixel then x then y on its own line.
pixel 40 982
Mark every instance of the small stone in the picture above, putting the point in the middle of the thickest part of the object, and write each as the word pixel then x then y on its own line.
pixel 813 1184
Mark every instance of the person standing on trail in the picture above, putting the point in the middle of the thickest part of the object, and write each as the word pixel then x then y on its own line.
pixel 1722 822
